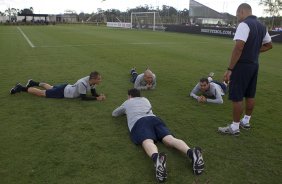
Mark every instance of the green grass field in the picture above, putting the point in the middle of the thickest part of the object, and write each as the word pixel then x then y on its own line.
pixel 68 141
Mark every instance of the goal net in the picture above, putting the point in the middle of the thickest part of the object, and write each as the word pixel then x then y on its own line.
pixel 146 20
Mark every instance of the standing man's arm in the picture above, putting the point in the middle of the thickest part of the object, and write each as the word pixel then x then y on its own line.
pixel 266 43
pixel 236 53
pixel 241 36
pixel 266 47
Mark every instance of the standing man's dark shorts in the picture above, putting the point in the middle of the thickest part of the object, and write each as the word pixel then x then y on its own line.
pixel 243 81
pixel 150 127
pixel 56 92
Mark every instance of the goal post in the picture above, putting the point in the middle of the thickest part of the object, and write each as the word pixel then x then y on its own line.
pixel 146 20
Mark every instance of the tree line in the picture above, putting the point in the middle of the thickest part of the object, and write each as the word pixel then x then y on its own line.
pixel 168 14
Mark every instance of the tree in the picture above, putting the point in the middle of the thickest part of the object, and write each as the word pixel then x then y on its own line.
pixel 12 13
pixel 26 11
pixel 273 8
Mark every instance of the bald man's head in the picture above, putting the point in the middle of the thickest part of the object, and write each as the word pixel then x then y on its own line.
pixel 243 11
pixel 148 76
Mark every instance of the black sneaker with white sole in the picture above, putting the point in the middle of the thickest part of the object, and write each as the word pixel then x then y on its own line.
pixel 17 89
pixel 161 173
pixel 31 83
pixel 197 161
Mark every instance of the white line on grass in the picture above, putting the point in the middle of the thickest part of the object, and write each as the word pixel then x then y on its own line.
pixel 97 44
pixel 27 39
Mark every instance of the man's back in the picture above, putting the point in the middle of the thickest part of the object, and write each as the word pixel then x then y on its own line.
pixel 256 33
pixel 134 108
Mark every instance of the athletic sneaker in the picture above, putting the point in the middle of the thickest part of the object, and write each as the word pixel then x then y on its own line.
pixel 211 74
pixel 17 89
pixel 132 70
pixel 161 173
pixel 197 161
pixel 31 83
pixel 245 126
pixel 228 130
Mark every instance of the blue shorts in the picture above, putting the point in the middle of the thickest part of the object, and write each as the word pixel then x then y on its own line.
pixel 56 92
pixel 222 85
pixel 150 127
pixel 243 81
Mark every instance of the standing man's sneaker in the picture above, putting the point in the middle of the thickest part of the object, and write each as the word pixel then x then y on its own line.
pixel 161 173
pixel 228 130
pixel 245 126
pixel 17 89
pixel 197 161
pixel 31 83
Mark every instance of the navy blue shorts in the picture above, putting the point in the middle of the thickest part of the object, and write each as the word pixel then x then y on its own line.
pixel 150 127
pixel 222 85
pixel 56 92
pixel 243 81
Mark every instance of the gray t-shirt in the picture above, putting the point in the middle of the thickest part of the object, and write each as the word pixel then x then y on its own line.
pixel 134 108
pixel 82 86
pixel 140 83
pixel 214 93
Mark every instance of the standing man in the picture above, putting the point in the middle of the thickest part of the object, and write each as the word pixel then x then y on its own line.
pixel 146 129
pixel 251 38
pixel 77 90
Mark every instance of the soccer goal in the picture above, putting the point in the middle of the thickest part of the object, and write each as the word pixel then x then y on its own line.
pixel 146 20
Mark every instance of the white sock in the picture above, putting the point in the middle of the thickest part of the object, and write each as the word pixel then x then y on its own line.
pixel 235 125
pixel 210 79
pixel 246 119
pixel 41 84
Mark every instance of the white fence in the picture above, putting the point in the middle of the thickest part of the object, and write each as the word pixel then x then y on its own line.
pixel 119 24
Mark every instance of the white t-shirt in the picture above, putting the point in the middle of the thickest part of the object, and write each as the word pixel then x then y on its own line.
pixel 242 33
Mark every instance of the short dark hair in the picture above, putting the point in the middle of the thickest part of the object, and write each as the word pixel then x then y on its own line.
pixel 245 6
pixel 134 92
pixel 204 80
pixel 94 75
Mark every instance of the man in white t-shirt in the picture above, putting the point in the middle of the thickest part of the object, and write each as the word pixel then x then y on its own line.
pixel 77 90
pixel 251 38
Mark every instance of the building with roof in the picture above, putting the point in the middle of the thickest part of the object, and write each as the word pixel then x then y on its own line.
pixel 202 15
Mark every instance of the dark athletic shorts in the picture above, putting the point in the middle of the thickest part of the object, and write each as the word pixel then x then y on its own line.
pixel 150 127
pixel 56 92
pixel 243 81
pixel 222 85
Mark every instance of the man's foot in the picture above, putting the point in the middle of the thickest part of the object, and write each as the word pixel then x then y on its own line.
pixel 228 130
pixel 17 89
pixel 161 173
pixel 31 83
pixel 197 161
pixel 211 74
pixel 132 70
pixel 245 126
